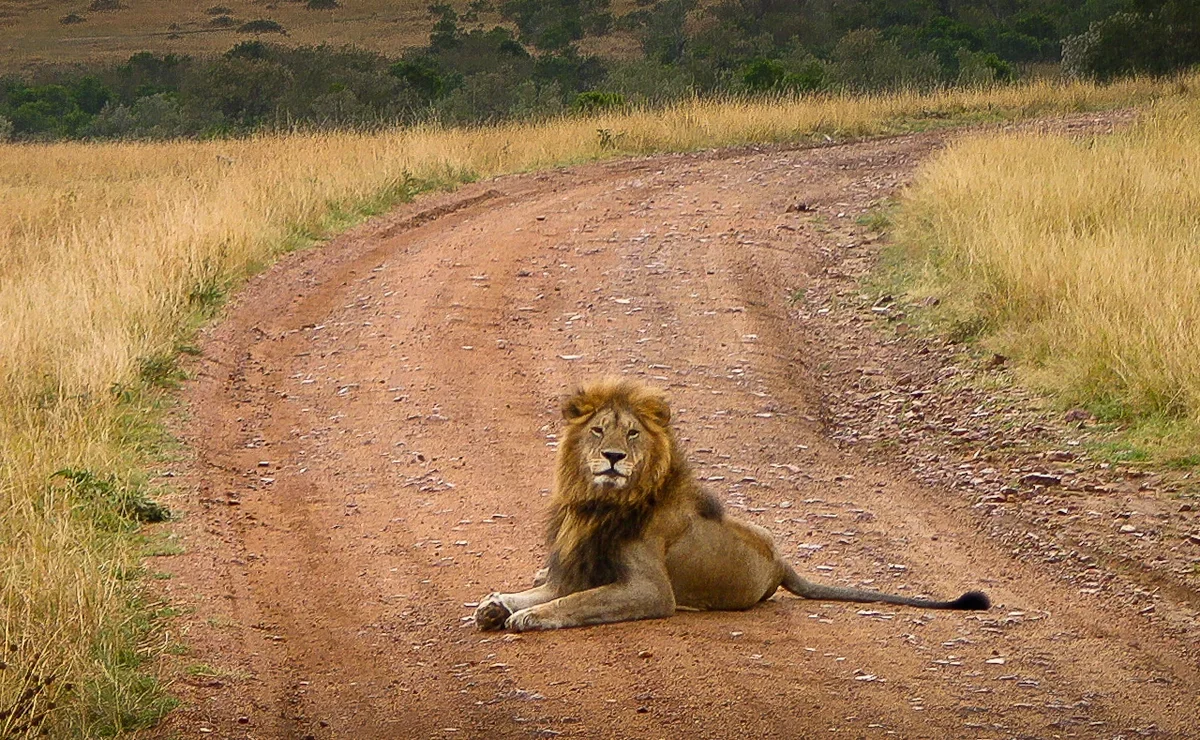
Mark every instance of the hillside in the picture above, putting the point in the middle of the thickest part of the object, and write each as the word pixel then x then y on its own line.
pixel 32 32
pixel 163 71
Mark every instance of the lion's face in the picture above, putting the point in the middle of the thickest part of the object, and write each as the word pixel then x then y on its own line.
pixel 616 430
pixel 613 448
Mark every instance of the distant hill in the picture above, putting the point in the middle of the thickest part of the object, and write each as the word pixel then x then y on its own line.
pixel 163 68
pixel 37 32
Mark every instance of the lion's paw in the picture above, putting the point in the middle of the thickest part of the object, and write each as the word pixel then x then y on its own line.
pixel 491 614
pixel 529 619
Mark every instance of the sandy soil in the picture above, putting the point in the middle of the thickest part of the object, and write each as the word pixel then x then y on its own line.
pixel 373 428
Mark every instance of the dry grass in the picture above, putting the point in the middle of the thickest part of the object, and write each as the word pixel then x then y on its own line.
pixel 109 252
pixel 1079 258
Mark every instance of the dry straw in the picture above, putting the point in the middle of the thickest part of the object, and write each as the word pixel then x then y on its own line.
pixel 1081 258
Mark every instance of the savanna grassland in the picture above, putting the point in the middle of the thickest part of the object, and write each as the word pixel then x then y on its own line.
pixel 1080 259
pixel 112 31
pixel 112 254
pixel 186 28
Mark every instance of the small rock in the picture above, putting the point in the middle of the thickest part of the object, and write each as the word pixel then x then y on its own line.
pixel 1040 479
pixel 1079 416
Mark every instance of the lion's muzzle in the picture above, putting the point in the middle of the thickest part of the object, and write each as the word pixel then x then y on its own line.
pixel 612 471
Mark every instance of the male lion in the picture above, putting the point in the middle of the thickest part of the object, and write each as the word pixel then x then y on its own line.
pixel 632 535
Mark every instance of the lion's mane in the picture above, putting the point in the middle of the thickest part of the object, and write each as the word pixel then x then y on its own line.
pixel 588 525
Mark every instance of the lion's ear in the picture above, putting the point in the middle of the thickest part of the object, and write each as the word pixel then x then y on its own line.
pixel 656 409
pixel 576 405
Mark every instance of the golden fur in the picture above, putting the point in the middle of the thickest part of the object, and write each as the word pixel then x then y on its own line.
pixel 632 535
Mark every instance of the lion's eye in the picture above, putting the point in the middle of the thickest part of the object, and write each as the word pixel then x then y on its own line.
pixel 598 431
pixel 633 433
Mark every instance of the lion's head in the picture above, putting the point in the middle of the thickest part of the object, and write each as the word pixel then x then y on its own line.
pixel 617 439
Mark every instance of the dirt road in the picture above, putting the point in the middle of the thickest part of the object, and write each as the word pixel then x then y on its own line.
pixel 374 428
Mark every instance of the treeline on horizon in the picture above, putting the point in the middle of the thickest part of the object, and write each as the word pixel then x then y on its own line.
pixel 469 73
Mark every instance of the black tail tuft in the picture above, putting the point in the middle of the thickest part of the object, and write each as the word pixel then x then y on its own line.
pixel 973 600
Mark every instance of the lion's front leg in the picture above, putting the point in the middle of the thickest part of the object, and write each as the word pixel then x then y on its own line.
pixel 646 593
pixel 617 602
pixel 496 608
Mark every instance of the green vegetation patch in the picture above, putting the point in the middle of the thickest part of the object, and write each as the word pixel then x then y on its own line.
pixel 540 63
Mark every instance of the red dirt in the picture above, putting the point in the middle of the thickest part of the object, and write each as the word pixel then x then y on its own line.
pixel 373 429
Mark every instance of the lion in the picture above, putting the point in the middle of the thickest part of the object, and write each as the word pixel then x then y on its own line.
pixel 633 535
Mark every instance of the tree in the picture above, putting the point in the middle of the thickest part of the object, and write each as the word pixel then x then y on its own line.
pixel 1122 44
pixel 446 32
pixel 552 25
pixel 663 34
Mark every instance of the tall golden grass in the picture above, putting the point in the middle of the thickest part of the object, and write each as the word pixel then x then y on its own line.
pixel 108 251
pixel 1079 258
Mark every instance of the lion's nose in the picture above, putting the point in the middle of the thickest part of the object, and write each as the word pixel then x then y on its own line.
pixel 614 456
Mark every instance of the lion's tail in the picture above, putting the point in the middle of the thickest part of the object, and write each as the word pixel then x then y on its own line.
pixel 974 600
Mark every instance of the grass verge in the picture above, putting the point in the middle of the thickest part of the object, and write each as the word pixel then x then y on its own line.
pixel 111 255
pixel 1080 260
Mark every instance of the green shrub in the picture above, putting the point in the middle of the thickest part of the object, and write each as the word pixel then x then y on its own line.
pixel 761 75
pixel 978 68
pixel 646 81
pixel 111 504
pixel 262 25
pixel 863 60
pixel 1120 44
pixel 594 101
pixel 339 107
